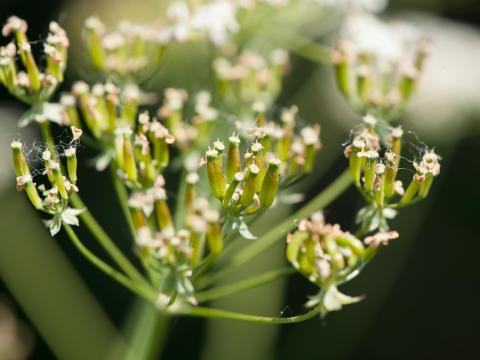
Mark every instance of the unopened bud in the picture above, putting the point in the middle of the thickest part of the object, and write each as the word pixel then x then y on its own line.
pixel 215 173
pixel 270 183
pixel 70 153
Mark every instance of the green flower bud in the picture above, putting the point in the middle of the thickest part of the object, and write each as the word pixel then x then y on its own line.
pixel 70 153
pixel 331 248
pixel 364 82
pixel 131 96
pixel 294 243
pixel 26 55
pixel 58 179
pixel 342 69
pixel 130 165
pixel 215 173
pixel 355 162
pixel 214 232
pixel 425 186
pixel 231 188
pixel 68 102
pixel 111 103
pixel 190 192
pixel 19 163
pixel 162 211
pixel 249 186
pixel 412 189
pixel 407 82
pixel 270 184
pixel 259 160
pixel 94 30
pixel 233 159
pixel 379 186
pixel 370 173
pixel 390 173
pixel 25 182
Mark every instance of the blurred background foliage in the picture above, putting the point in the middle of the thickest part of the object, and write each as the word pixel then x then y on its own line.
pixel 422 291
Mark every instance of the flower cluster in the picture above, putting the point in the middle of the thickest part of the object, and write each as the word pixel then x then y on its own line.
pixel 103 107
pixel 374 166
pixel 189 133
pixel 329 257
pixel 131 52
pixel 250 78
pixel 54 200
pixel 274 157
pixel 174 253
pixel 378 65
pixel 32 84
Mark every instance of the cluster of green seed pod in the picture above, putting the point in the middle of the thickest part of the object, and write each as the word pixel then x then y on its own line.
pixel 274 156
pixel 189 132
pixel 31 82
pixel 142 155
pixel 250 77
pixel 376 85
pixel 102 107
pixel 131 52
pixel 52 199
pixel 61 185
pixel 374 168
pixel 174 253
pixel 329 257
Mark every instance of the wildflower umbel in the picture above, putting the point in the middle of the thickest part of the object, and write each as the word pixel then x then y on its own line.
pixel 194 175
pixel 329 257
pixel 25 79
pixel 374 166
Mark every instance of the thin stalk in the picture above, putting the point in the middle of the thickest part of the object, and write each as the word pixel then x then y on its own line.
pixel 243 284
pixel 180 209
pixel 122 197
pixel 322 200
pixel 105 241
pixel 145 292
pixel 230 315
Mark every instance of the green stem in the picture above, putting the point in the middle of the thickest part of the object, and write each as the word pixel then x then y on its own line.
pixel 243 284
pixel 230 315
pixel 122 197
pixel 139 289
pixel 180 209
pixel 105 241
pixel 270 238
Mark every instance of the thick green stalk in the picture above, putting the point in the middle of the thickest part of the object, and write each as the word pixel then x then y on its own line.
pixel 105 241
pixel 145 292
pixel 243 284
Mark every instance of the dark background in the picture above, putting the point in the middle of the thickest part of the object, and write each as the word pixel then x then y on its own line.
pixel 422 291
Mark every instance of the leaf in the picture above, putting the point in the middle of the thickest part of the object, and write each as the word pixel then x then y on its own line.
pixel 53 112
pixel 334 300
pixel 69 216
pixel 243 229
pixel 54 224
pixel 28 116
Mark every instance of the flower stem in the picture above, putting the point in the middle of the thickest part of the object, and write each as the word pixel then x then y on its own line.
pixel 145 292
pixel 323 199
pixel 230 315
pixel 243 284
pixel 122 197
pixel 105 241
